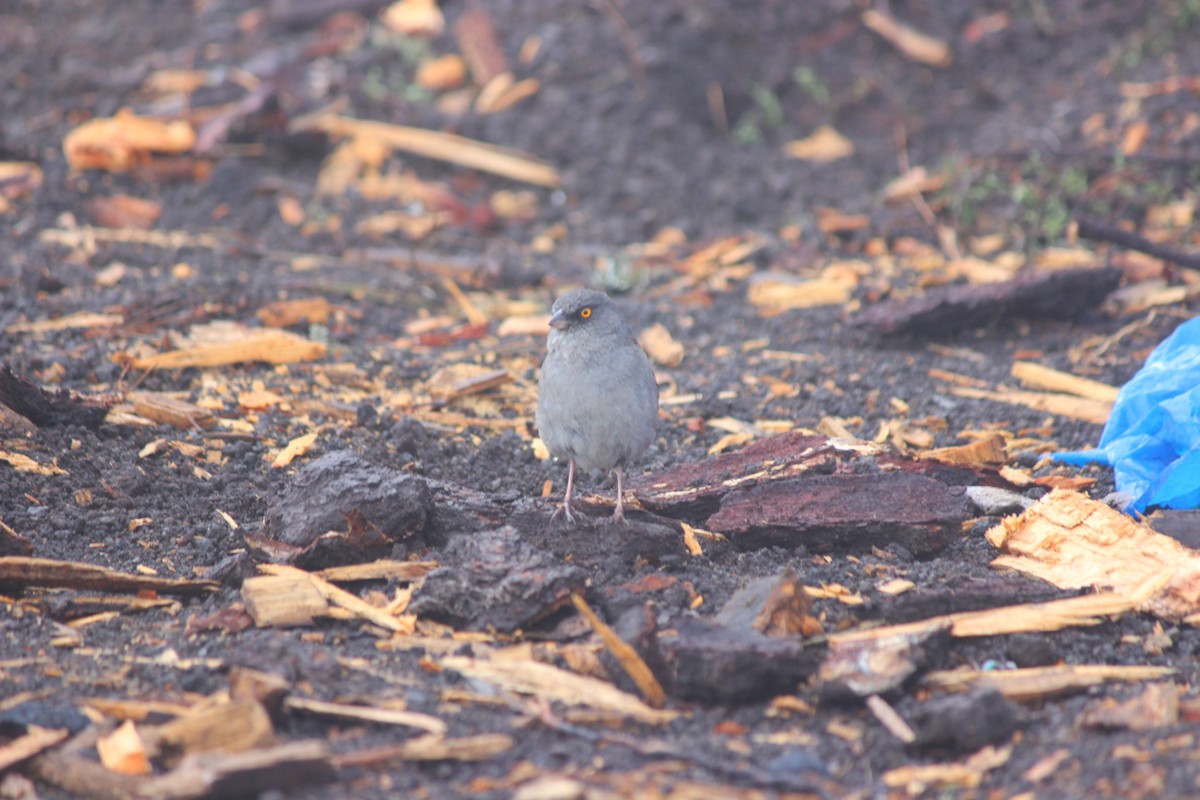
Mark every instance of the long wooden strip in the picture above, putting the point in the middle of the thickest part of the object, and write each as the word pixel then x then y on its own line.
pixel 445 147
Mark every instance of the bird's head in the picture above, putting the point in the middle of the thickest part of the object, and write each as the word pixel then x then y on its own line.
pixel 583 308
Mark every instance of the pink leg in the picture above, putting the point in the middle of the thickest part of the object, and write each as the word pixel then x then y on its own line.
pixel 565 508
pixel 619 513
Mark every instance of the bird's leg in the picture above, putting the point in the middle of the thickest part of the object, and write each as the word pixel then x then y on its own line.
pixel 565 508
pixel 619 513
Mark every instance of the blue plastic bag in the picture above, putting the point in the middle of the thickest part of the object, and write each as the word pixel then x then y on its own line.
pixel 1152 437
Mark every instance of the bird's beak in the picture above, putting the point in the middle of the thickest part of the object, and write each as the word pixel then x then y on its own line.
pixel 558 321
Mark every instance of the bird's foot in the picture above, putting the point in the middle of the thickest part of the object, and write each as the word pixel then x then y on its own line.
pixel 618 515
pixel 565 511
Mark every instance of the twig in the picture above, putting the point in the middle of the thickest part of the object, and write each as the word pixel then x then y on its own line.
pixel 1090 228
pixel 628 41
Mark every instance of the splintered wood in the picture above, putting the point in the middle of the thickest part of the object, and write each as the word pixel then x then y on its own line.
pixel 1040 683
pixel 1073 542
pixel 271 346
pixel 24 571
pixel 444 147
pixel 551 683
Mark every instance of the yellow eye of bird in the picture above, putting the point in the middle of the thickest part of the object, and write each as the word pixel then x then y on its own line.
pixel 585 312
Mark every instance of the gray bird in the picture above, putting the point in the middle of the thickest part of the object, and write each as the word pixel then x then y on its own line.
pixel 597 397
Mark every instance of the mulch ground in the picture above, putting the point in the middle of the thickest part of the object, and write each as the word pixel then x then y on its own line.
pixel 274 290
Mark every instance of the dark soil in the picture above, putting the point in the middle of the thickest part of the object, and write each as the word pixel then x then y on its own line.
pixel 639 150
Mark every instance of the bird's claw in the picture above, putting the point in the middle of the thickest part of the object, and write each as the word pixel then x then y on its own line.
pixel 565 511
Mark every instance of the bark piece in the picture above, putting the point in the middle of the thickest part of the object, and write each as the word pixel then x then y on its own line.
pixel 476 37
pixel 999 591
pixel 45 408
pixel 776 605
pixel 328 492
pixel 459 509
pixel 23 571
pixel 693 490
pixel 1061 295
pixel 845 511
pixel 966 722
pixel 294 765
pixel 495 580
pixel 710 663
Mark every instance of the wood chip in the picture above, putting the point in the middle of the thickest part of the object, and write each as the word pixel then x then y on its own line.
pixel 911 184
pixel 420 18
pixel 783 292
pixel 1063 405
pixel 168 410
pixel 1039 683
pixel 661 346
pixel 80 319
pixel 286 313
pixel 123 751
pixel 23 463
pixel 913 44
pixel 1037 376
pixel 383 569
pixel 455 381
pixel 124 141
pixel 822 145
pixel 892 722
pixel 1024 618
pixel 283 600
pixel 985 452
pixel 294 449
pixel 382 716
pixel 224 726
pixel 442 73
pixel 432 748
pixel 444 147
pixel 917 778
pixel 346 600
pixel 552 683
pixel 270 346
pixel 1073 542
pixel 633 664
